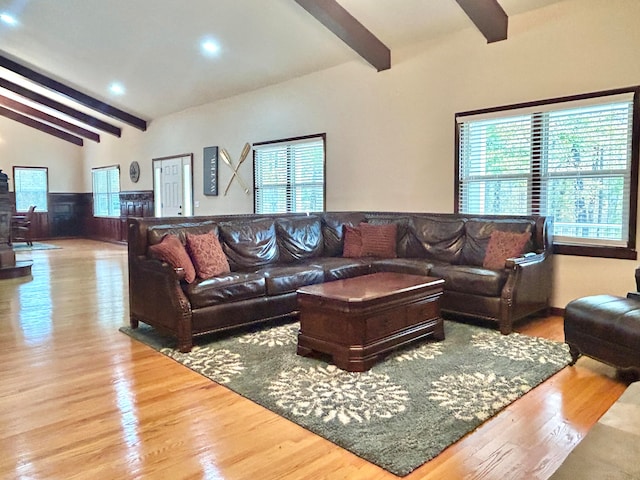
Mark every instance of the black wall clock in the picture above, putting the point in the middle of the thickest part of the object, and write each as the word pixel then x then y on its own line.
pixel 134 171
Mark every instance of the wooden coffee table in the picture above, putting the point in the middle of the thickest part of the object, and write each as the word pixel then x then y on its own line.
pixel 357 320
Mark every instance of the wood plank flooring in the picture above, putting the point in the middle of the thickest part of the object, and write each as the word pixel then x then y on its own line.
pixel 80 400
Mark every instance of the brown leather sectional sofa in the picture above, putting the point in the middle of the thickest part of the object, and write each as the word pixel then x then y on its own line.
pixel 272 256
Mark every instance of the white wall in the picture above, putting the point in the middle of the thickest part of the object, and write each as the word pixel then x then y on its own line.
pixel 390 135
pixel 25 147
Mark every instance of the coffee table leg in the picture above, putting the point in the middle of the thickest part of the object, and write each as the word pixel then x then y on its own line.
pixel 438 331
pixel 303 351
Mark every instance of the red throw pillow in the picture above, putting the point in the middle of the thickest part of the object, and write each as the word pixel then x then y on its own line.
pixel 379 240
pixel 171 250
pixel 352 242
pixel 503 245
pixel 207 255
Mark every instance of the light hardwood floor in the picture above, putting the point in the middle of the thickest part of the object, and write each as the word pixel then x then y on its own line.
pixel 80 400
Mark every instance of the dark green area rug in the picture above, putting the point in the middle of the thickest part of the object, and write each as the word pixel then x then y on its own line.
pixel 401 413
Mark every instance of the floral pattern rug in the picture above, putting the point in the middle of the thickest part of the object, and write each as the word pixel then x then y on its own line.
pixel 398 415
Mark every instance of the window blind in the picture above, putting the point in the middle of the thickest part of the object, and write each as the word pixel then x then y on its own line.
pixel 570 160
pixel 30 185
pixel 106 191
pixel 289 176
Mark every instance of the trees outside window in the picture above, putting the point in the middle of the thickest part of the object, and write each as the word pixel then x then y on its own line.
pixel 574 159
pixel 289 175
pixel 31 187
pixel 106 191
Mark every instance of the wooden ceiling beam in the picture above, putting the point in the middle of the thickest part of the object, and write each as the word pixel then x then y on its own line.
pixel 73 94
pixel 72 112
pixel 333 16
pixel 43 127
pixel 488 16
pixel 34 112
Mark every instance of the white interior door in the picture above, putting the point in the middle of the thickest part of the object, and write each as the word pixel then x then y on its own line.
pixel 172 186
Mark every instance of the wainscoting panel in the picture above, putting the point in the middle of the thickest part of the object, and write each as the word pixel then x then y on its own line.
pixel 114 229
pixel 66 214
pixel 71 215
pixel 136 204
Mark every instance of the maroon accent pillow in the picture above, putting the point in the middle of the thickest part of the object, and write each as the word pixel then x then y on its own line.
pixel 379 240
pixel 352 242
pixel 171 250
pixel 206 254
pixel 503 245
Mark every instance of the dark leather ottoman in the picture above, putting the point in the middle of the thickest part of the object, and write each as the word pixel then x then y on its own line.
pixel 605 327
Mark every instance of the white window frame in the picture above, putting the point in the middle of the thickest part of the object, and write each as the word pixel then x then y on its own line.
pixel 300 183
pixel 26 192
pixel 106 203
pixel 531 167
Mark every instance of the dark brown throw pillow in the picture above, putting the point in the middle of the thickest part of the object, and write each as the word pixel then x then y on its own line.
pixel 503 245
pixel 379 240
pixel 352 242
pixel 171 250
pixel 206 254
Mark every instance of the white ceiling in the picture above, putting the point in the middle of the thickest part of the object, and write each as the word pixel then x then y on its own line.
pixel 153 46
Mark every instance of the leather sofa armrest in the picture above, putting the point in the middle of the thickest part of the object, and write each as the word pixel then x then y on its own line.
pixel 634 296
pixel 155 294
pixel 178 271
pixel 526 259
pixel 529 282
pixel 153 264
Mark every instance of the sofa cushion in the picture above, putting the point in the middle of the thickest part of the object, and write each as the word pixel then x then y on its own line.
pixel 299 238
pixel 230 287
pixel 333 231
pixel 155 233
pixel 503 245
pixel 367 240
pixel 402 232
pixel 470 279
pixel 352 242
pixel 336 268
pixel 250 243
pixel 478 234
pixel 171 250
pixel 379 240
pixel 206 254
pixel 281 279
pixel 413 266
pixel 440 238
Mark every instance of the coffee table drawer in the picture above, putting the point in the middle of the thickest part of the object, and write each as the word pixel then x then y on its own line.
pixel 423 311
pixel 385 323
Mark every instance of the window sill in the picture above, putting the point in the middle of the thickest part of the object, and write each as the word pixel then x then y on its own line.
pixel 602 252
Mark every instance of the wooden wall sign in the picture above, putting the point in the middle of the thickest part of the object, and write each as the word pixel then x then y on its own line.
pixel 210 171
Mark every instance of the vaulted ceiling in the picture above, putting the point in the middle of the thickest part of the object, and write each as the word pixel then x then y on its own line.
pixel 60 58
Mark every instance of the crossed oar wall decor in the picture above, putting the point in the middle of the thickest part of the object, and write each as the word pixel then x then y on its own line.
pixel 227 159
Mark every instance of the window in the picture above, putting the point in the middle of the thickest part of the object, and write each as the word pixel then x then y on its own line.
pixel 574 159
pixel 106 191
pixel 289 175
pixel 31 185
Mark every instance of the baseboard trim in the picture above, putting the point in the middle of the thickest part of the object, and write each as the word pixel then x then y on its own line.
pixel 556 311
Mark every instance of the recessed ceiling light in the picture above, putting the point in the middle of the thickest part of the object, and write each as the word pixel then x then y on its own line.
pixel 210 47
pixel 8 19
pixel 116 88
